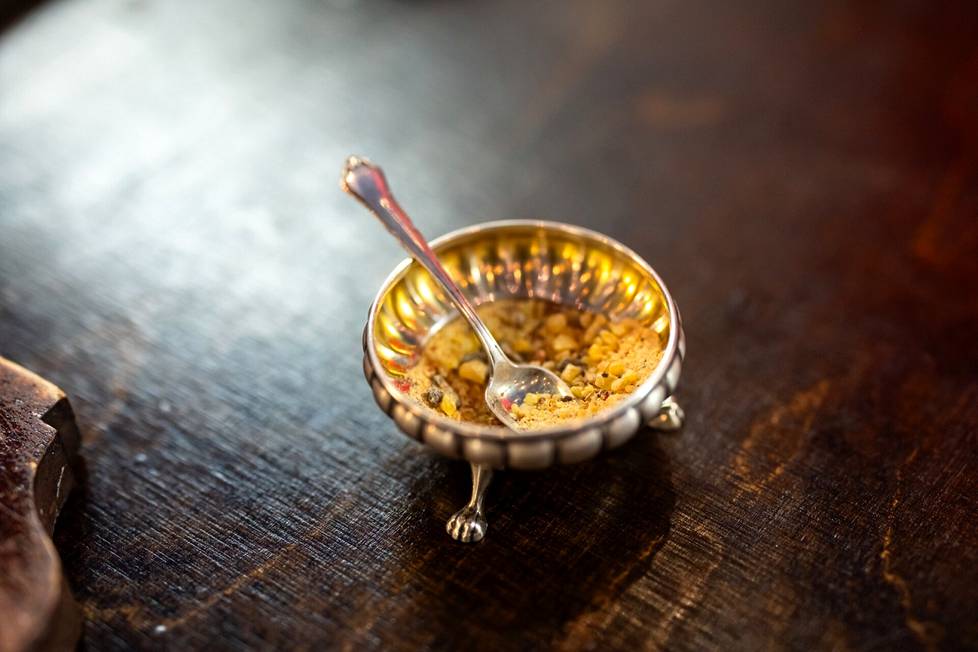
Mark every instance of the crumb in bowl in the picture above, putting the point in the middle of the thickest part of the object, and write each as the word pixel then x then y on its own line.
pixel 601 360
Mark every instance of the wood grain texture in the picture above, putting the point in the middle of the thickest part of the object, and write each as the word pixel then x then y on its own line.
pixel 38 445
pixel 174 251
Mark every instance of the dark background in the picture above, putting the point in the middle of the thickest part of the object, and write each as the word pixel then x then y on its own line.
pixel 176 254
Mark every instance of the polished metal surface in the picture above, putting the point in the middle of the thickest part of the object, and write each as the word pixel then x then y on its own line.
pixel 509 383
pixel 557 262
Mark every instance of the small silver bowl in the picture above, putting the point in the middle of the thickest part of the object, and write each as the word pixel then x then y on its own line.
pixel 526 259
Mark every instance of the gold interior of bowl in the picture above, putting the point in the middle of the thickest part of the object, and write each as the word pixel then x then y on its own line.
pixel 566 265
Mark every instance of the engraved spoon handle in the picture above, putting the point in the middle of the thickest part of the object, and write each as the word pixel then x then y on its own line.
pixel 368 184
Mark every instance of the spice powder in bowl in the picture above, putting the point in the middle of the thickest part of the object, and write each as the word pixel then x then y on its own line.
pixel 602 361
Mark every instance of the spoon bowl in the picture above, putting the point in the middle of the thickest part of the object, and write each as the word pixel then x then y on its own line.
pixel 510 383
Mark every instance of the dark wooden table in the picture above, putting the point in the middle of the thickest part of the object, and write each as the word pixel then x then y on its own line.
pixel 175 254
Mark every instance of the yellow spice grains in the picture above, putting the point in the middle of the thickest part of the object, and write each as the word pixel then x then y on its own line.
pixel 601 360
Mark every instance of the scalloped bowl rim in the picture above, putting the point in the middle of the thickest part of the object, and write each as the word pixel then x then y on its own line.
pixel 501 433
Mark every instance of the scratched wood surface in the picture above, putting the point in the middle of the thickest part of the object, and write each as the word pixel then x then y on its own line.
pixel 175 254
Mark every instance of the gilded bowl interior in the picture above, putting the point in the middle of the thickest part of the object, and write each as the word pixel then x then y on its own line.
pixel 543 260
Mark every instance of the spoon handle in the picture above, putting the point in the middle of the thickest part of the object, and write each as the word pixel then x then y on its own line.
pixel 367 183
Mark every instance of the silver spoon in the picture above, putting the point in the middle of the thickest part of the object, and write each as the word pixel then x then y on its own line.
pixel 509 382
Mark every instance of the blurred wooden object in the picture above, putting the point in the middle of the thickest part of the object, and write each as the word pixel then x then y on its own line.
pixel 38 440
pixel 174 248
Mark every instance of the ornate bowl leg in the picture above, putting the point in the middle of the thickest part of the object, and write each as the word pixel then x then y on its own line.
pixel 469 523
pixel 670 417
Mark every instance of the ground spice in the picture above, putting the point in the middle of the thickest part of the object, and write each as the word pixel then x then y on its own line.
pixel 601 360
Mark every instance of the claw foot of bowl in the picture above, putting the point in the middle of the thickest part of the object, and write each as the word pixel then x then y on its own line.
pixel 670 417
pixel 468 524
